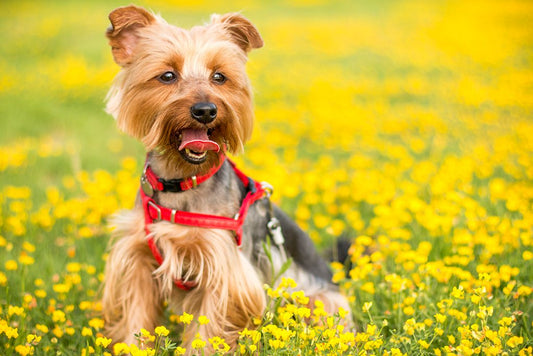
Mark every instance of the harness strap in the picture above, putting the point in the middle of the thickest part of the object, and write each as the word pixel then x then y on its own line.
pixel 154 212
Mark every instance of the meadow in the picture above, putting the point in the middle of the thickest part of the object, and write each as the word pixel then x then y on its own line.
pixel 405 126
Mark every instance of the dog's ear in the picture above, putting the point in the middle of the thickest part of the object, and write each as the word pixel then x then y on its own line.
pixel 122 34
pixel 242 32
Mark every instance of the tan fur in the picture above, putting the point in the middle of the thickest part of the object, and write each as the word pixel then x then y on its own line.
pixel 129 269
pixel 229 288
pixel 229 291
pixel 195 55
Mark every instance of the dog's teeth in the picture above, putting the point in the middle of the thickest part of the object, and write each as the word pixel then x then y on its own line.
pixel 193 154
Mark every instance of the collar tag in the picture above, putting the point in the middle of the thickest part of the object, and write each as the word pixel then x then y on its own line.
pixel 146 186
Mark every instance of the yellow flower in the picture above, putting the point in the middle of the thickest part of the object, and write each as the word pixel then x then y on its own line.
pixel 366 307
pixel 424 344
pixel 393 352
pixel 202 319
pixel 73 267
pixel 61 288
pixel 276 344
pixel 11 265
pixel 410 326
pixel 440 318
pixel 40 293
pixel 409 310
pixel 180 351
pixel 186 318
pixel 505 321
pixel 527 255
pixel 161 331
pixel 70 330
pixel 85 305
pixel 58 316
pixel 319 309
pixel 219 345
pixel 26 259
pixel 474 298
pixel 198 343
pixel 368 287
pixel 514 341
pixel 524 291
pixel 135 351
pixel 85 331
pixel 120 348
pixel 33 339
pixel 42 328
pixel 58 332
pixel 299 297
pixel 343 312
pixel 287 283
pixel 102 341
pixel 458 293
pixel 509 288
pixel 24 350
pixel 371 329
pixel 147 335
pixel 11 333
pixel 96 323
pixel 14 310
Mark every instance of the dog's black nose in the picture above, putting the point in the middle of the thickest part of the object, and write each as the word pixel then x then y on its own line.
pixel 204 112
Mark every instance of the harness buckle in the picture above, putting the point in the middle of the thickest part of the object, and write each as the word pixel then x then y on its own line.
pixel 268 188
pixel 156 207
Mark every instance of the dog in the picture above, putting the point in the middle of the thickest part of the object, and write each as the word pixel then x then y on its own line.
pixel 195 239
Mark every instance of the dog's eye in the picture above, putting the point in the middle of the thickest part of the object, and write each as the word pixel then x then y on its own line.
pixel 219 78
pixel 168 77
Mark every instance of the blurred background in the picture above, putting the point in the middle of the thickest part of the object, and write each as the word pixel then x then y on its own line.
pixel 351 96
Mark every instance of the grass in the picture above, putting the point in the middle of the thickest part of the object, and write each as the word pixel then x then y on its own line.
pixel 403 125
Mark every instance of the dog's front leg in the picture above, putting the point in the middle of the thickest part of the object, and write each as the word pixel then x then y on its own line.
pixel 131 297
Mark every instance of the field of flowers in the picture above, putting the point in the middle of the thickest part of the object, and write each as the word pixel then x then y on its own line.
pixel 405 126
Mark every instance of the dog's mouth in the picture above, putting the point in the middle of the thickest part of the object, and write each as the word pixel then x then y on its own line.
pixel 195 145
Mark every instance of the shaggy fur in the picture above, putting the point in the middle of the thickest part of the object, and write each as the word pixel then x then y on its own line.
pixel 229 279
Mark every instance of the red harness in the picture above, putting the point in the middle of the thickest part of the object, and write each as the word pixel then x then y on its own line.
pixel 154 212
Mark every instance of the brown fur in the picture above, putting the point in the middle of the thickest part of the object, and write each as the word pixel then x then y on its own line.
pixel 136 97
pixel 229 280
pixel 136 287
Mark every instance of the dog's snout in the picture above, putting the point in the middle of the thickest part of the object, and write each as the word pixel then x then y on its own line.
pixel 204 112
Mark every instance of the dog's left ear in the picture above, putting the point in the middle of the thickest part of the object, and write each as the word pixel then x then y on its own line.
pixel 242 32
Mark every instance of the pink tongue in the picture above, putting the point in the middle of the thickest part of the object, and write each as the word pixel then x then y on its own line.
pixel 197 141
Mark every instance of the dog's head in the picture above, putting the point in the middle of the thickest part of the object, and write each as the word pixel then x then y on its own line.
pixel 183 93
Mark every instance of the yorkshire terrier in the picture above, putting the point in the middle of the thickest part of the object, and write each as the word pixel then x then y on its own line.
pixel 195 239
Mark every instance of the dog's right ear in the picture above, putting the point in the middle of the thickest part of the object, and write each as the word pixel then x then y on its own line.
pixel 122 34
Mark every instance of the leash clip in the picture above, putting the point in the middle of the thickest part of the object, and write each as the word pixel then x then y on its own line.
pixel 274 228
